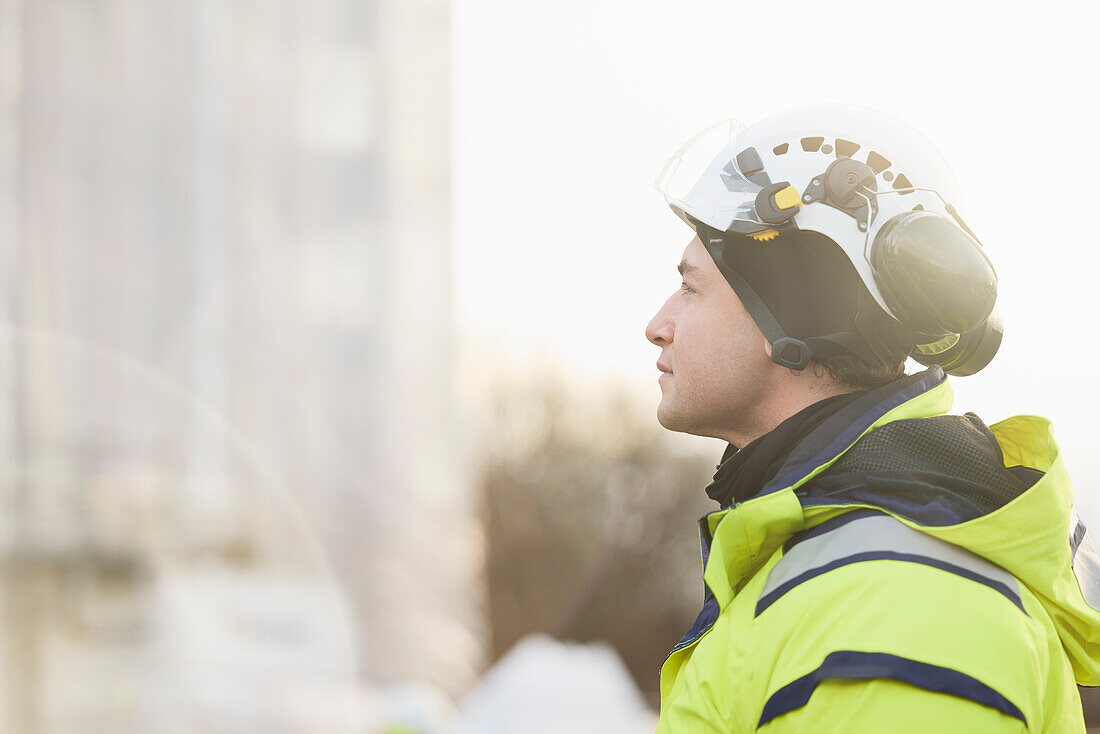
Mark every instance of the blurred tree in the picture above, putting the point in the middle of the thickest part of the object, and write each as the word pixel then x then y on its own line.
pixel 591 521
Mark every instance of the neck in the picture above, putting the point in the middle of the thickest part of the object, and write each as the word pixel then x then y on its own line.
pixel 791 394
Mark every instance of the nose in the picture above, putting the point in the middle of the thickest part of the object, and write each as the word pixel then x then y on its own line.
pixel 659 329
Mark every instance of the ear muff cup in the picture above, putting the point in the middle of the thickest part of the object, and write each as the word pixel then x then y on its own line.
pixel 964 354
pixel 934 276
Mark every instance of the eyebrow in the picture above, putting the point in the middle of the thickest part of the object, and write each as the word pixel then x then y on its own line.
pixel 685 267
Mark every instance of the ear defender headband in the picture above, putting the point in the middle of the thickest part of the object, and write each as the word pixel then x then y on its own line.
pixel 929 286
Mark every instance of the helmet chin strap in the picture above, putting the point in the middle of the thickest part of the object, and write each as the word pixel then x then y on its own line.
pixel 787 350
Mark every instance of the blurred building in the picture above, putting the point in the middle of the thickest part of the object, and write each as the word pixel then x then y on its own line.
pixel 225 361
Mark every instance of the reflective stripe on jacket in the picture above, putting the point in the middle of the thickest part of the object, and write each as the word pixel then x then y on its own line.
pixel 841 613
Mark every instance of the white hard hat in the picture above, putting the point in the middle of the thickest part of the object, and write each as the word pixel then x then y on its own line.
pixel 856 176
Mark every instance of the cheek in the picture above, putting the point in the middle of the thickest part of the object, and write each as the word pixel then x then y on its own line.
pixel 727 344
pixel 703 348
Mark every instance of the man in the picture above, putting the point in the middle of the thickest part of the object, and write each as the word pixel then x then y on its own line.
pixel 876 564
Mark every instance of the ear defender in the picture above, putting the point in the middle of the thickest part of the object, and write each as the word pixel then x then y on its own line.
pixel 964 354
pixel 938 281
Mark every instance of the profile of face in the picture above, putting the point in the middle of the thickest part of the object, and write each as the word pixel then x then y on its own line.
pixel 715 362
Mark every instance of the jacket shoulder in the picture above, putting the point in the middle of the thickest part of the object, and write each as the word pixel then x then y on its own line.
pixel 866 597
pixel 937 470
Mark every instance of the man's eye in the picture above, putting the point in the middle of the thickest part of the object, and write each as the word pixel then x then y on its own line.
pixel 686 288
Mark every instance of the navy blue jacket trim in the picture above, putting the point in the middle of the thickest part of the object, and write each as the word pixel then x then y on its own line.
pixel 931 512
pixel 852 665
pixel 768 599
pixel 828 526
pixel 913 386
pixel 708 615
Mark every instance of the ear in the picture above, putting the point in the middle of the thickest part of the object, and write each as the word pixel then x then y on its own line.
pixel 767 347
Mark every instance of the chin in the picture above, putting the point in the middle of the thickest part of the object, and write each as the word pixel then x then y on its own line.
pixel 662 416
pixel 675 421
pixel 670 420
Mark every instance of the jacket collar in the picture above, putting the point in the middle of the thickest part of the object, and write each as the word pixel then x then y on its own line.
pixel 836 435
pixel 737 539
pixel 742 473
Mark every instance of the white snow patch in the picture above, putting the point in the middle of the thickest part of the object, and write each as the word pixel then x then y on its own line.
pixel 542 685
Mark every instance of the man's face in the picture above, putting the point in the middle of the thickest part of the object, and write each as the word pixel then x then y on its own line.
pixel 715 368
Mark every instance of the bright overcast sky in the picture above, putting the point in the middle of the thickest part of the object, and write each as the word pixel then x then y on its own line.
pixel 565 110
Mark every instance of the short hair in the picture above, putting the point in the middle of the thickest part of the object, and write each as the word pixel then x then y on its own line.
pixel 855 372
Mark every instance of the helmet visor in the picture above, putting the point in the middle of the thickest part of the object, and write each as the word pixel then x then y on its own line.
pixel 702 180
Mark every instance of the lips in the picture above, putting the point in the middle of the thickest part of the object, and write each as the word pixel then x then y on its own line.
pixel 664 368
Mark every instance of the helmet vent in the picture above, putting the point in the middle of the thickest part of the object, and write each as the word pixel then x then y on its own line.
pixel 846 148
pixel 877 163
pixel 780 149
pixel 812 145
pixel 901 182
pixel 918 208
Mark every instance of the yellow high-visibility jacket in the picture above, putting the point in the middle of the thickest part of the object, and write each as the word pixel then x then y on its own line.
pixel 870 608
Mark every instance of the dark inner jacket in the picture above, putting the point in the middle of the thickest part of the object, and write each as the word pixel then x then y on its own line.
pixel 941 470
